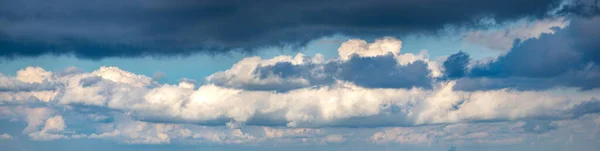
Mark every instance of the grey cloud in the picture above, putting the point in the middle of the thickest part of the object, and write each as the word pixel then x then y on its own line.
pixel 456 65
pixel 371 72
pixel 584 108
pixel 567 58
pixel 165 28
pixel 539 126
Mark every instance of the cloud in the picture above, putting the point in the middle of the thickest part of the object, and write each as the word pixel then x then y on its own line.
pixel 54 124
pixel 539 126
pixel 253 102
pixel 35 117
pixel 52 130
pixel 365 64
pixel 456 64
pixel 504 37
pixel 466 135
pixel 33 75
pixel 377 86
pixel 457 134
pixel 361 48
pixel 342 104
pixel 136 132
pixel 42 122
pixel 5 137
pixel 566 58
pixel 125 129
pixel 161 28
pixel 400 135
pixel 334 139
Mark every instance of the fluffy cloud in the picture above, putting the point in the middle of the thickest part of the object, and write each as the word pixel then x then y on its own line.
pixel 365 64
pixel 341 104
pixel 42 122
pixel 33 75
pixel 35 117
pixel 136 132
pixel 361 48
pixel 53 129
pixel 293 99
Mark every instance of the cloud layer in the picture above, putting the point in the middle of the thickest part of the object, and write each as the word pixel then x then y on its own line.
pixel 370 85
pixel 158 27
pixel 372 92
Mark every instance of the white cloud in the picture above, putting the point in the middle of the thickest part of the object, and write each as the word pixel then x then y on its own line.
pixel 332 105
pixel 242 74
pixel 301 112
pixel 291 132
pixel 24 96
pixel 361 48
pixel 503 38
pixel 335 138
pixel 53 129
pixel 300 71
pixel 5 136
pixel 33 75
pixel 119 76
pixel 41 136
pixel 35 117
pixel 54 124
pixel 402 136
pixel 137 132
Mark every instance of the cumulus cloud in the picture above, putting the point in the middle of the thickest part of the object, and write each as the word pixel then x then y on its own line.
pixel 365 64
pixel 35 117
pixel 377 86
pixel 294 99
pixel 341 104
pixel 54 124
pixel 136 132
pixel 361 48
pixel 33 75
pixel 53 129
pixel 42 122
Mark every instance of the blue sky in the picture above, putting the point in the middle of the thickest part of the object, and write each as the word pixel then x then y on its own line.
pixel 474 75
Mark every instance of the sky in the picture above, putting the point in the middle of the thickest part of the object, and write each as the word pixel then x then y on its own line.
pixel 270 75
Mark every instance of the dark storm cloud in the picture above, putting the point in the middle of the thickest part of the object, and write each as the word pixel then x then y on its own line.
pixel 157 27
pixel 570 57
